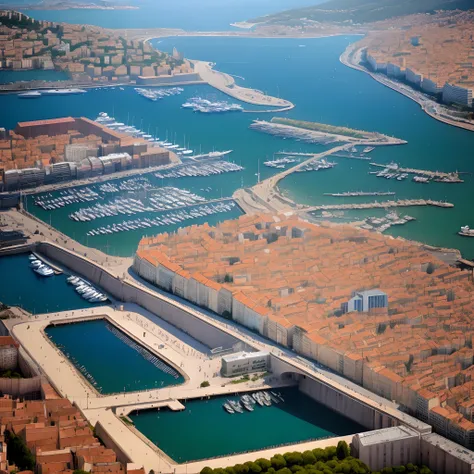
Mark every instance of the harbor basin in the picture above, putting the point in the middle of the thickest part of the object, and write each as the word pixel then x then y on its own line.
pixel 109 360
pixel 205 430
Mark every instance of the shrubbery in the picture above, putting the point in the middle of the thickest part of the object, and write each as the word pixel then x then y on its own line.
pixel 333 459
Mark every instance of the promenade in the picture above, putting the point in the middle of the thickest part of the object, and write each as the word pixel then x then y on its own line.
pixel 264 196
pixel 226 83
pixel 352 56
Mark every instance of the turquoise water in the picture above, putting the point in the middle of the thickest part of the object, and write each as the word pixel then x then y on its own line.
pixel 204 430
pixel 125 243
pixel 33 75
pixel 323 90
pixel 21 286
pixel 192 15
pixel 112 364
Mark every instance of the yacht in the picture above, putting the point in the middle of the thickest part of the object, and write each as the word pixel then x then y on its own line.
pixel 466 231
pixel 30 95
pixel 44 270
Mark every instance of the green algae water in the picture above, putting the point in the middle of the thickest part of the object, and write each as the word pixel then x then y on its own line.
pixel 307 72
pixel 21 286
pixel 109 359
pixel 205 430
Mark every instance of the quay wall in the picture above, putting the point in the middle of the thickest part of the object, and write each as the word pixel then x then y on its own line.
pixel 17 249
pixel 110 442
pixel 345 405
pixel 200 330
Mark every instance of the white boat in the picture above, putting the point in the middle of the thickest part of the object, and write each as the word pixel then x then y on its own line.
pixel 466 231
pixel 30 95
pixel 64 92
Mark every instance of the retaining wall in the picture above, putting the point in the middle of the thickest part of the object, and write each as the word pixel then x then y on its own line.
pixel 200 330
pixel 347 406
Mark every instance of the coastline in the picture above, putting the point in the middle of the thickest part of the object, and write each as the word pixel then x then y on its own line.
pixel 427 105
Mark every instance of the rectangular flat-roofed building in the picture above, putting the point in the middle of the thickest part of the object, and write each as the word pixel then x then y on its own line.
pixel 244 363
pixel 394 446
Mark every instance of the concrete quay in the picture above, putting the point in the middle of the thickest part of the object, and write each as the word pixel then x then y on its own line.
pixel 379 205
pixel 226 83
pixel 264 196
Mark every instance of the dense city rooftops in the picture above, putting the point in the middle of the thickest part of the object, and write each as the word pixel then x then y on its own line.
pixel 294 276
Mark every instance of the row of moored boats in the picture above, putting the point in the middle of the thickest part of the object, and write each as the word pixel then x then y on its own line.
pixel 198 104
pixel 40 267
pixel 208 169
pixel 165 199
pixel 249 402
pixel 86 290
pixel 170 218
pixel 157 94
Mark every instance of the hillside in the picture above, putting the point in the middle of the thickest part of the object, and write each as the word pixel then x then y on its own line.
pixel 363 11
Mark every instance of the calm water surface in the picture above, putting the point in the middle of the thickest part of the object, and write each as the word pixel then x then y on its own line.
pixel 307 72
pixel 114 365
pixel 191 15
pixel 204 429
pixel 21 286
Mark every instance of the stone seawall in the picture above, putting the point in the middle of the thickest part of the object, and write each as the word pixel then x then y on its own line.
pixel 200 330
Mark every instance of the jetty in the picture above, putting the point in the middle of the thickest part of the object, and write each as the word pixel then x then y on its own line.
pixel 378 205
pixel 361 193
pixel 226 84
pixel 313 132
pixel 452 177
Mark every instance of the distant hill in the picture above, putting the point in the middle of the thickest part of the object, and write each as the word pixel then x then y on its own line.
pixel 363 11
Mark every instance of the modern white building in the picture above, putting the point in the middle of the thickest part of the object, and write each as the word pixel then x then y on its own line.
pixel 453 94
pixel 244 363
pixel 414 77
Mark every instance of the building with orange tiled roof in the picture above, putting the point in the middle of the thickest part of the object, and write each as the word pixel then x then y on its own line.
pixel 58 436
pixel 287 279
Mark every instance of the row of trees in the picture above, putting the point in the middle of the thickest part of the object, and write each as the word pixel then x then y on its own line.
pixel 333 459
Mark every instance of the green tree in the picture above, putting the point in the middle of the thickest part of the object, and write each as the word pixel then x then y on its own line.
pixel 205 384
pixel 265 464
pixel 278 461
pixel 309 457
pixel 293 458
pixel 18 453
pixel 230 470
pixel 342 450
pixel 241 469
pixel 207 470
pixel 254 468
pixel 330 452
pixel 284 470
pixel 430 268
pixel 80 471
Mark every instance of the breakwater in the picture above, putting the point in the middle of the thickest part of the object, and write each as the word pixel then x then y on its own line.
pixel 379 205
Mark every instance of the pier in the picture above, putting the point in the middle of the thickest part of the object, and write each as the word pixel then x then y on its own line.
pixel 451 177
pixel 379 205
pixel 263 197
pixel 226 84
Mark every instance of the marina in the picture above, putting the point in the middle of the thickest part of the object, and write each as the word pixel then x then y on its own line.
pixel 422 176
pixel 205 106
pixel 158 94
pixel 140 369
pixel 221 433
pixel 32 291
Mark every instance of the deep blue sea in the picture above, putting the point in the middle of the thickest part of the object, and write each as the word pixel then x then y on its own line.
pixel 191 15
pixel 307 72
